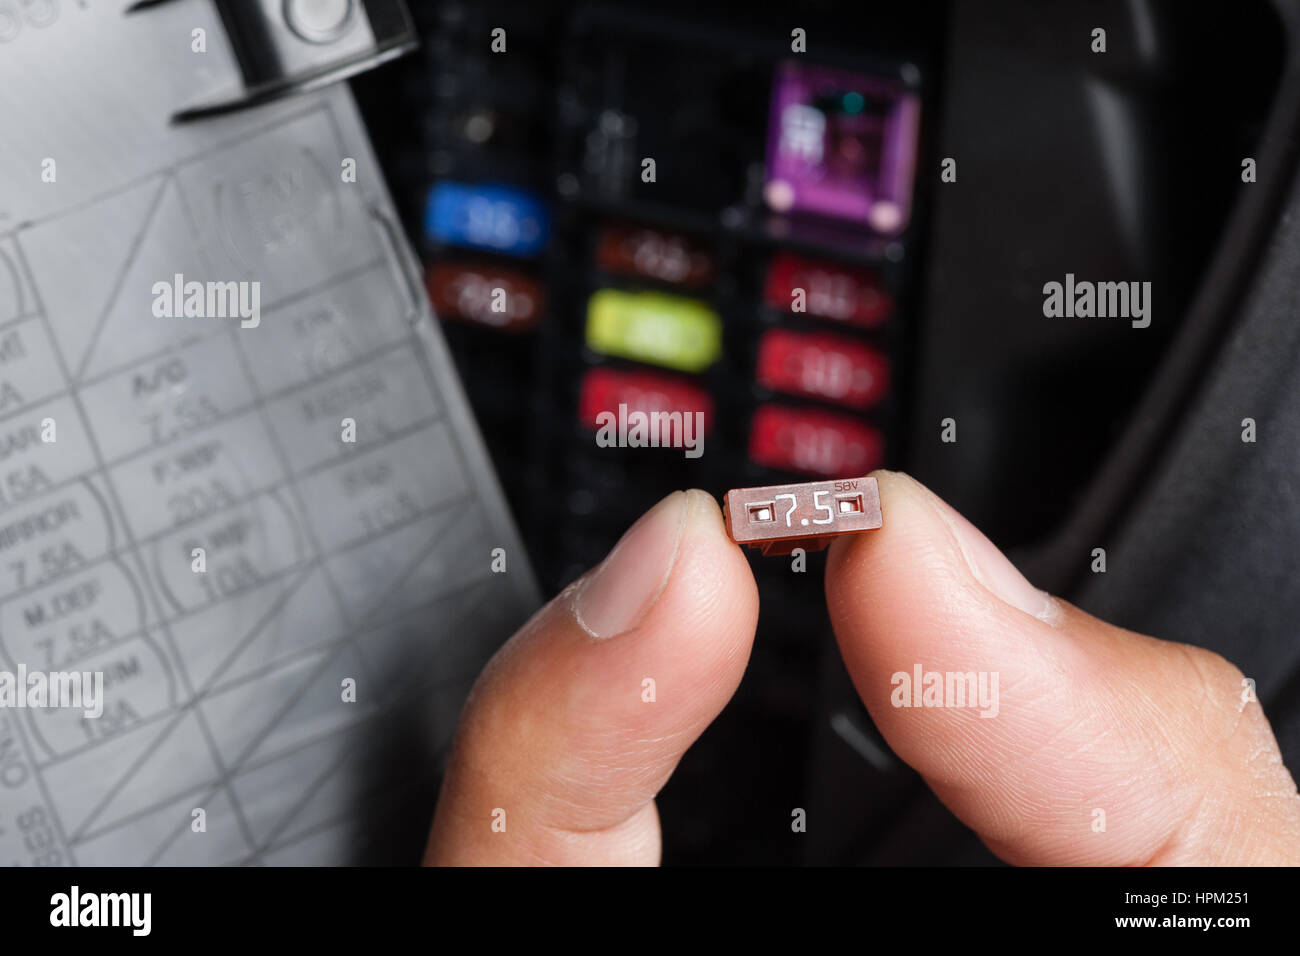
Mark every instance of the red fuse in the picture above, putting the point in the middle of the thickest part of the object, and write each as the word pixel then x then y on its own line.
pixel 816 443
pixel 485 294
pixel 822 366
pixel 825 290
pixel 605 389
pixel 654 254
pixel 776 519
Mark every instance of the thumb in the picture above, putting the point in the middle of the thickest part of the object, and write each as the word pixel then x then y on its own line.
pixel 1089 744
pixel 580 719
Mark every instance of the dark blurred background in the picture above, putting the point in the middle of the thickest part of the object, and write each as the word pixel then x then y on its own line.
pixel 818 169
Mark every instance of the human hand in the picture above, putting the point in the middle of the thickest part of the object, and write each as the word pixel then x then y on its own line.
pixel 558 742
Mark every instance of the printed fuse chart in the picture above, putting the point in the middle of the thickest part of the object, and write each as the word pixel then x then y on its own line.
pixel 324 560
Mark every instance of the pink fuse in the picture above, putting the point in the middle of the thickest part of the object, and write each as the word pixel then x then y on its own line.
pixel 842 145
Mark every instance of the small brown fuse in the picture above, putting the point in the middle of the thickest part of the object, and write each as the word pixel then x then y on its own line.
pixel 779 518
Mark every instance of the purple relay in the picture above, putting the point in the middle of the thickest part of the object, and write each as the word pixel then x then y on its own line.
pixel 842 145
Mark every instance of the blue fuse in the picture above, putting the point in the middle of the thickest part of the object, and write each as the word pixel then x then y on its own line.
pixel 496 218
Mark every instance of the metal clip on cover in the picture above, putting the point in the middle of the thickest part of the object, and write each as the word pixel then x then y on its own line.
pixel 291 46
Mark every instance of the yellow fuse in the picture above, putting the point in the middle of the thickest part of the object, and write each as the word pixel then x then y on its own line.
pixel 654 327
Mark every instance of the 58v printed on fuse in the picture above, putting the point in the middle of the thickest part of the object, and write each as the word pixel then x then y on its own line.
pixel 776 519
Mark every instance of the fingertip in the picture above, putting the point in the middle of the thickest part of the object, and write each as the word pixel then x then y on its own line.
pixel 703 627
pixel 1086 718
pixel 925 547
pixel 909 607
pixel 580 719
pixel 892 591
pixel 715 568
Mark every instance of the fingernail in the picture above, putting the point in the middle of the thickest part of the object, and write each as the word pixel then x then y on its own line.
pixel 622 589
pixel 991 567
